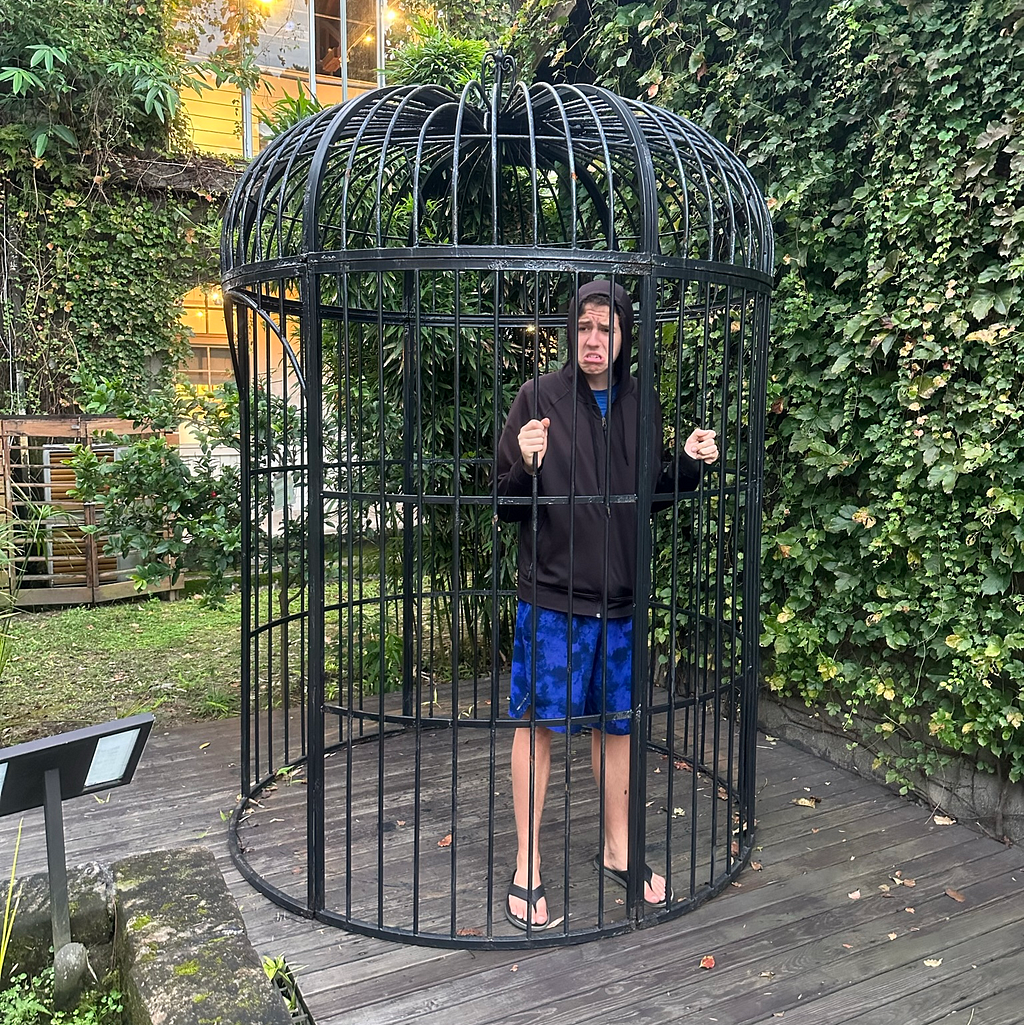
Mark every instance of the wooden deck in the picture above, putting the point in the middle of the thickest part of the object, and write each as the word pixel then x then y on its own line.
pixel 791 943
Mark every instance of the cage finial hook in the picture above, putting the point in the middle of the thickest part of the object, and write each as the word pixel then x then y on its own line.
pixel 502 66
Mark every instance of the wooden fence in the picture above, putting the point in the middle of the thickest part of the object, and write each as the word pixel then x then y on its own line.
pixel 52 560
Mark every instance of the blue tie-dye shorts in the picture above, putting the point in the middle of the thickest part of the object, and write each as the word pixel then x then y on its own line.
pixel 588 681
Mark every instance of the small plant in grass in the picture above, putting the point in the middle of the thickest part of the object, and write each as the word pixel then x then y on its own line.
pixel 20 535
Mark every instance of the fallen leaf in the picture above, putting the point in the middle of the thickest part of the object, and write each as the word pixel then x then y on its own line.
pixel 778 1014
pixel 814 829
pixel 847 946
pixel 203 747
pixel 619 900
pixel 514 968
pixel 956 895
pixel 678 813
pixel 756 866
pixel 767 975
pixel 469 932
pixel 855 895
pixel 806 802
pixel 884 887
pixel 723 794
pixel 682 763
pixel 933 962
pixel 910 882
pixel 892 935
pixel 707 961
pixel 445 841
pixel 909 911
pixel 944 820
pixel 400 822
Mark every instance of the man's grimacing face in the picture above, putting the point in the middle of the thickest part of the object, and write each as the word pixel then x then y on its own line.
pixel 593 345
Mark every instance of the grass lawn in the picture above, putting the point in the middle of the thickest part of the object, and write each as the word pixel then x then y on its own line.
pixel 78 666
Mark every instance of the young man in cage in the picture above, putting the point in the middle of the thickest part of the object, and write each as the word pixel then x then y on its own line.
pixel 574 432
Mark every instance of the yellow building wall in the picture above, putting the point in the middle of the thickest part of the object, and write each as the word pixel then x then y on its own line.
pixel 215 113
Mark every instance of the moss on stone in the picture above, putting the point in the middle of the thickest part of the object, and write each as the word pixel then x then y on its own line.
pixel 189 967
pixel 139 922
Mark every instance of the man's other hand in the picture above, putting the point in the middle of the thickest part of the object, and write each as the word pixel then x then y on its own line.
pixel 701 445
pixel 533 442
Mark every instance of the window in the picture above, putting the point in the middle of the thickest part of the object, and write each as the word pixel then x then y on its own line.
pixel 210 363
pixel 361 39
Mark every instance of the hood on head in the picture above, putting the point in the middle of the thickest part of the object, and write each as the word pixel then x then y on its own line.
pixel 622 304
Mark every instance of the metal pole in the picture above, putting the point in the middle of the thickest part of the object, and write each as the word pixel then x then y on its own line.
pixel 343 47
pixel 382 27
pixel 56 861
pixel 311 45
pixel 247 139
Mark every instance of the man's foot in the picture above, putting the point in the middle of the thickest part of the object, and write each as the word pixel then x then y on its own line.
pixel 521 901
pixel 654 884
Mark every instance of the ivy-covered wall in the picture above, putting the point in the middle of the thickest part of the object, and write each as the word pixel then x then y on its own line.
pixel 888 137
pixel 99 276
pixel 104 224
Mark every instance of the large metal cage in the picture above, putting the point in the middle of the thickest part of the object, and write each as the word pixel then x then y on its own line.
pixel 395 268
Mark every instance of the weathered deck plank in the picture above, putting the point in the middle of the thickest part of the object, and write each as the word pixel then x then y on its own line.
pixel 830 957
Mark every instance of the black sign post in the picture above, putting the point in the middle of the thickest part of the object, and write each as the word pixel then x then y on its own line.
pixel 45 773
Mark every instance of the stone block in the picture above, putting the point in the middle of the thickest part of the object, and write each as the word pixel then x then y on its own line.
pixel 91 902
pixel 182 948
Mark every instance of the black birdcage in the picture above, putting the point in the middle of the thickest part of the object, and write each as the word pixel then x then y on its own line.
pixel 395 269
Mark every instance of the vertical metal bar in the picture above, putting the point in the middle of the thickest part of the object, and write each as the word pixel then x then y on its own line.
pixel 421 527
pixel 456 586
pixel 56 860
pixel 496 398
pixel 642 590
pixel 752 549
pixel 383 511
pixel 284 587
pixel 240 341
pixel 260 483
pixel 272 460
pixel 718 599
pixel 312 439
pixel 410 368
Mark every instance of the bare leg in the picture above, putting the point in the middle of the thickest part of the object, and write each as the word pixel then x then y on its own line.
pixel 616 806
pixel 521 802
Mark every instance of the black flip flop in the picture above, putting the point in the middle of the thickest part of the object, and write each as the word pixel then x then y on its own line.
pixel 621 877
pixel 532 898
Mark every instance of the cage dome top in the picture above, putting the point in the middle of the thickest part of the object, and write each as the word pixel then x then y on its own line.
pixel 500 170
